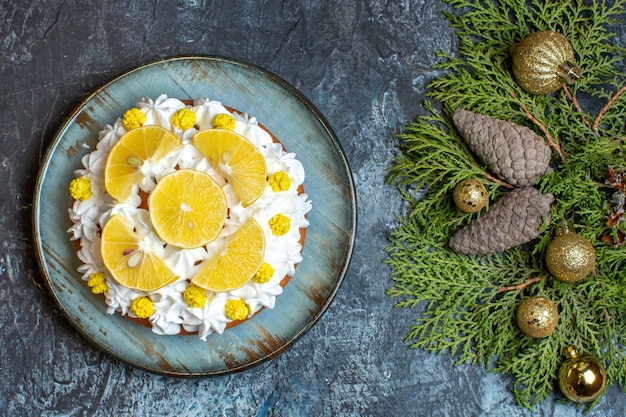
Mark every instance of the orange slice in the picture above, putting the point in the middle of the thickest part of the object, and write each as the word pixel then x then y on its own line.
pixel 188 208
pixel 237 159
pixel 131 262
pixel 128 155
pixel 237 263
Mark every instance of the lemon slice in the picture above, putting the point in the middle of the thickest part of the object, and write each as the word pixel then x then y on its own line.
pixel 130 153
pixel 237 263
pixel 132 263
pixel 237 159
pixel 188 208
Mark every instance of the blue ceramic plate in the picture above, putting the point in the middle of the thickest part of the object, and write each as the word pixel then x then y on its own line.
pixel 329 240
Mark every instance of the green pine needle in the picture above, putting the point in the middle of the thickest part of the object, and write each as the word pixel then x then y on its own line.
pixel 465 305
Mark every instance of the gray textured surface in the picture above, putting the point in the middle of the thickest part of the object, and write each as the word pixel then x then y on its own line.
pixel 364 64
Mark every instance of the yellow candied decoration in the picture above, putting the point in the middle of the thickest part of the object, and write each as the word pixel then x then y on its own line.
pixel 264 274
pixel 80 188
pixel 142 307
pixel 280 224
pixel 184 119
pixel 195 296
pixel 279 181
pixel 223 121
pixel 236 309
pixel 97 283
pixel 133 118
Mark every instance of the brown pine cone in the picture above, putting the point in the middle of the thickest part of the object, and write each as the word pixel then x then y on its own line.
pixel 513 153
pixel 512 220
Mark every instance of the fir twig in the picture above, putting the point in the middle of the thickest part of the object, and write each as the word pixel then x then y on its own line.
pixel 553 144
pixel 497 180
pixel 612 100
pixel 523 285
pixel 574 101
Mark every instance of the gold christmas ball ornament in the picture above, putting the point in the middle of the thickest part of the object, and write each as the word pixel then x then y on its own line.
pixel 537 317
pixel 543 62
pixel 582 378
pixel 470 195
pixel 570 257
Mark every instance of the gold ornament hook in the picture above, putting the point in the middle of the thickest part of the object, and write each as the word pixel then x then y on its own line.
pixel 570 352
pixel 569 72
pixel 566 226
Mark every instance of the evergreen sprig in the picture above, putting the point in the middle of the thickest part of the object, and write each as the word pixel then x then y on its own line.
pixel 465 305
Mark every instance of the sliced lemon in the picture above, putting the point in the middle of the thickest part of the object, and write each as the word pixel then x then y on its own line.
pixel 237 263
pixel 132 263
pixel 237 159
pixel 128 155
pixel 188 208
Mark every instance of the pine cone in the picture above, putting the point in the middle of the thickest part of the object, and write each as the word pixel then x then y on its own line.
pixel 513 153
pixel 512 220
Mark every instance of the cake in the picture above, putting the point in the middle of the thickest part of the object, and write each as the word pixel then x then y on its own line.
pixel 227 244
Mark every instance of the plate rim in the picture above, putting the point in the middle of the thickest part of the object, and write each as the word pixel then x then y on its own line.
pixel 323 307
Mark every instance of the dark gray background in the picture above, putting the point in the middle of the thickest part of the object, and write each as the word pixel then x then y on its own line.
pixel 365 65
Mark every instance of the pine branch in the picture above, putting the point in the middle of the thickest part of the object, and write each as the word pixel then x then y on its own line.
pixel 553 144
pixel 607 106
pixel 520 287
pixel 465 305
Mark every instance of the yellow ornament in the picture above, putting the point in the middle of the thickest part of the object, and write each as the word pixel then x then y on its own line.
pixel 223 121
pixel 80 188
pixel 133 118
pixel 264 274
pixel 279 224
pixel 570 257
pixel 470 195
pixel 543 62
pixel 97 283
pixel 582 378
pixel 194 296
pixel 537 317
pixel 236 309
pixel 279 181
pixel 184 119
pixel 142 307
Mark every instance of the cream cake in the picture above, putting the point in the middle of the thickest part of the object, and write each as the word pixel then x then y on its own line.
pixel 133 243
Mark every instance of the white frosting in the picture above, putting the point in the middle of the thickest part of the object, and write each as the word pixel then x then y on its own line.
pixel 172 314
